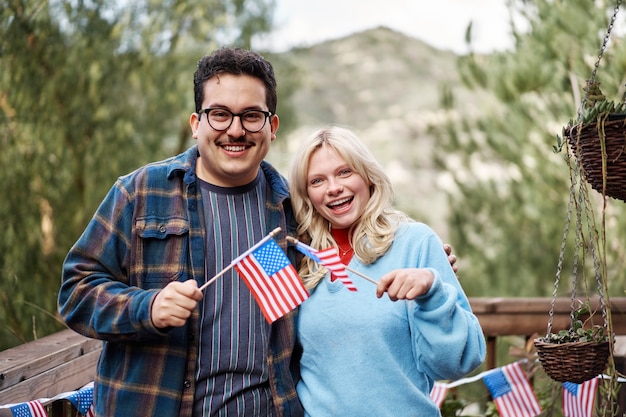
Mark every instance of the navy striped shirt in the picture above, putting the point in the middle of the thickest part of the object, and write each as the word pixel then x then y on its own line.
pixel 232 373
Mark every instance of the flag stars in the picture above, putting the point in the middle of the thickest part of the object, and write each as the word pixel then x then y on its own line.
pixel 272 258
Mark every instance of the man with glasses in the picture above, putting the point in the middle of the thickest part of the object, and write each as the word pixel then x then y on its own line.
pixel 133 277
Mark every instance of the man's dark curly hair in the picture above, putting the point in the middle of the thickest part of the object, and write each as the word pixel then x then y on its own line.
pixel 236 61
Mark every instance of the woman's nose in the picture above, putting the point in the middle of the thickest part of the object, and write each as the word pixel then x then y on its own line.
pixel 334 188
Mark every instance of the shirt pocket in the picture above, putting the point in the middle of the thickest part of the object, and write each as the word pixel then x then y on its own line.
pixel 162 250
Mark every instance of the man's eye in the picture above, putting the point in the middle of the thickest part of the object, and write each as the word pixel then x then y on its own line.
pixel 253 117
pixel 218 114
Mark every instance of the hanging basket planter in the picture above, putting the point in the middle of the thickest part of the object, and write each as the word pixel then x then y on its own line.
pixel 600 146
pixel 573 362
pixel 577 354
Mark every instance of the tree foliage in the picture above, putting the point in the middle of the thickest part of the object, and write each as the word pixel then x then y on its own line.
pixel 509 204
pixel 89 90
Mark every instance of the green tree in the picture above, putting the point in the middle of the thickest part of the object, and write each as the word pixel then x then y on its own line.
pixel 509 205
pixel 89 90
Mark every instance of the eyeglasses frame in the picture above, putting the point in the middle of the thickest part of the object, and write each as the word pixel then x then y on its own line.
pixel 206 111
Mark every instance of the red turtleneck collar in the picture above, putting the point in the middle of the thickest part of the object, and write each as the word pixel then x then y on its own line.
pixel 342 237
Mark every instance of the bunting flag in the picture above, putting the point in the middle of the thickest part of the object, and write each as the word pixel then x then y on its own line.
pixel 438 393
pixel 579 399
pixel 511 392
pixel 508 385
pixel 330 259
pixel 29 409
pixel 83 400
pixel 272 280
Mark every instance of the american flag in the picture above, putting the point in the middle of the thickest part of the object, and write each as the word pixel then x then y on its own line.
pixel 579 399
pixel 272 280
pixel 29 409
pixel 330 259
pixel 511 392
pixel 83 400
pixel 438 393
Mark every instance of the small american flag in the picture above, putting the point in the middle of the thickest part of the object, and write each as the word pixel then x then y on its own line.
pixel 511 392
pixel 83 400
pixel 579 399
pixel 330 259
pixel 29 409
pixel 272 280
pixel 438 393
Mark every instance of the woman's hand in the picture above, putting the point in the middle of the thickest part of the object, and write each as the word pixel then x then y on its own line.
pixel 405 284
pixel 451 257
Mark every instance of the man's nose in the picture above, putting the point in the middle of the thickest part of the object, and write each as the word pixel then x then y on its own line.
pixel 236 128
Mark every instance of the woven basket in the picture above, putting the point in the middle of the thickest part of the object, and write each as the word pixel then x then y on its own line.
pixel 574 362
pixel 585 141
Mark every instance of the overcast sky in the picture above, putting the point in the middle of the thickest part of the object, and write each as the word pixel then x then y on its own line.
pixel 440 23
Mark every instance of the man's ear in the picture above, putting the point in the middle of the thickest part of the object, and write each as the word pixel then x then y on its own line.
pixel 194 121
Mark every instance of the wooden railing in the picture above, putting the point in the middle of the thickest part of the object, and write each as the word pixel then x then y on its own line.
pixel 66 361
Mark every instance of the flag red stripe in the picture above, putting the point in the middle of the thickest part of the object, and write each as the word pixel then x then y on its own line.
pixel 270 285
pixel 277 294
pixel 285 279
pixel 580 405
pixel 521 401
pixel 37 409
pixel 330 259
pixel 264 283
pixel 254 279
pixel 438 393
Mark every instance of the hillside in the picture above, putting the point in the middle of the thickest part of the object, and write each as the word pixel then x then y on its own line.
pixel 389 88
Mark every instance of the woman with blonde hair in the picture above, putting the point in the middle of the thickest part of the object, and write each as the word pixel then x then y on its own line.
pixel 364 353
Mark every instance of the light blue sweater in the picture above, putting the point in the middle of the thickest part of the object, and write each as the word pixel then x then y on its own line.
pixel 364 356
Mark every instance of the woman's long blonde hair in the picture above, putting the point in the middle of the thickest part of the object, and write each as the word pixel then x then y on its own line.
pixel 372 234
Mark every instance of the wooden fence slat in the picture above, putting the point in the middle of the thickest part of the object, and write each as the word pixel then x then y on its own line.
pixel 63 378
pixel 526 316
pixel 34 358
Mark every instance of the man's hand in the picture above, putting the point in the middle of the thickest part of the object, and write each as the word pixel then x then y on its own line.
pixel 174 303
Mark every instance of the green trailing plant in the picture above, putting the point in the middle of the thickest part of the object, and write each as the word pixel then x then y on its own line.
pixel 596 109
pixel 580 330
pixel 600 110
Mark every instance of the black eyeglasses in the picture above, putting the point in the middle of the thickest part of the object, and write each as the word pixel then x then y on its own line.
pixel 221 119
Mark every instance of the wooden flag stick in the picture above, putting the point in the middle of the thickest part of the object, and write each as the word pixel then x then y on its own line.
pixel 240 257
pixel 362 276
pixel 297 242
pixel 212 280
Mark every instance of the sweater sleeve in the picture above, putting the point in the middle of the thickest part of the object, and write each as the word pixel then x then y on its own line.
pixel 448 341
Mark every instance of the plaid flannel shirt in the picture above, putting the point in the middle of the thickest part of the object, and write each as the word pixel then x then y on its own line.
pixel 146 233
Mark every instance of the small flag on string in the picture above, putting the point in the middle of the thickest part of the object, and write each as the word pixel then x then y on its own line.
pixel 511 392
pixel 29 409
pixel 83 400
pixel 579 399
pixel 272 280
pixel 438 393
pixel 330 259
